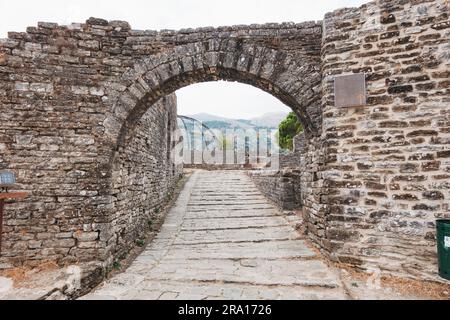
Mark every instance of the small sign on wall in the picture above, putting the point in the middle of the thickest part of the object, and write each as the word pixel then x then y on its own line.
pixel 7 179
pixel 350 90
pixel 447 242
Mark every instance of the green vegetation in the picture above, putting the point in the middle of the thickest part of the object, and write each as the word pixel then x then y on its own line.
pixel 288 129
pixel 140 243
pixel 117 265
pixel 123 256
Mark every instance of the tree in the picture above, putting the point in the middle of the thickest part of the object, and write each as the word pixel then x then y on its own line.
pixel 287 130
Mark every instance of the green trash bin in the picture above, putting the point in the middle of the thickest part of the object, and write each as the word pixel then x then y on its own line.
pixel 443 244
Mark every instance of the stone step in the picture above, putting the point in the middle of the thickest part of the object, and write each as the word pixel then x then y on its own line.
pixel 250 207
pixel 236 235
pixel 229 202
pixel 193 290
pixel 289 249
pixel 232 223
pixel 243 213
pixel 308 273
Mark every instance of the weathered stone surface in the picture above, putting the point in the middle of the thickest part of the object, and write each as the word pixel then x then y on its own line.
pixel 194 258
pixel 282 187
pixel 78 109
pixel 407 117
pixel 58 222
pixel 86 121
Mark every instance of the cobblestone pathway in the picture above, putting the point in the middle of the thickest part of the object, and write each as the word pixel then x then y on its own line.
pixel 224 240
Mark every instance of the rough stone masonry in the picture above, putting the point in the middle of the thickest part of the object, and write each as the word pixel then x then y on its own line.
pixel 84 127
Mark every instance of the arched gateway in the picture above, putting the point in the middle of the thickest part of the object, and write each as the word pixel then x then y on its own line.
pixel 91 91
pixel 283 60
pixel 87 110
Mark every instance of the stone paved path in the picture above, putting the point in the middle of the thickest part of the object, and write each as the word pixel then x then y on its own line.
pixel 224 240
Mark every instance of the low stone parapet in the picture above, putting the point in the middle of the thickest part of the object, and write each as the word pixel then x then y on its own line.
pixel 280 186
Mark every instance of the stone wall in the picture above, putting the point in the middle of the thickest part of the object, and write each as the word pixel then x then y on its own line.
pixel 373 179
pixel 56 227
pixel 287 185
pixel 388 163
pixel 289 160
pixel 143 177
pixel 282 187
pixel 72 96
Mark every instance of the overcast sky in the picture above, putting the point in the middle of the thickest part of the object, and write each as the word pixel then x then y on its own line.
pixel 220 98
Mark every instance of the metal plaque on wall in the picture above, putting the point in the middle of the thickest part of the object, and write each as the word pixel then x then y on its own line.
pixel 7 179
pixel 350 90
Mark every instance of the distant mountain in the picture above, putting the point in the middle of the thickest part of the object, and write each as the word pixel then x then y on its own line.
pixel 217 122
pixel 268 120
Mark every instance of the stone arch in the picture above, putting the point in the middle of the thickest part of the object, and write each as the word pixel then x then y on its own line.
pixel 295 83
pixel 105 78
